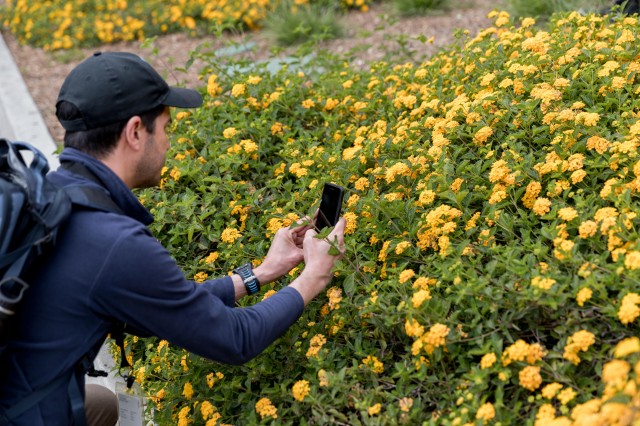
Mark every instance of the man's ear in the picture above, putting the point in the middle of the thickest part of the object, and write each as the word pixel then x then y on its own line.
pixel 132 133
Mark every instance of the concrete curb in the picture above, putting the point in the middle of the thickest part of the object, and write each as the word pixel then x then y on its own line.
pixel 20 118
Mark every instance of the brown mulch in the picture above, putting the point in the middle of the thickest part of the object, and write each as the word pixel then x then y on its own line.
pixel 44 73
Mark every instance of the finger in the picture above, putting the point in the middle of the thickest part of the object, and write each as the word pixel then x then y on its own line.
pixel 310 233
pixel 301 223
pixel 338 230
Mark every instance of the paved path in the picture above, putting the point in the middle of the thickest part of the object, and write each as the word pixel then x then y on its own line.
pixel 20 119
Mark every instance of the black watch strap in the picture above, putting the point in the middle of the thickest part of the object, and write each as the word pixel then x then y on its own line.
pixel 250 281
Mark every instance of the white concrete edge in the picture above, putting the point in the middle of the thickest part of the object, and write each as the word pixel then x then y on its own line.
pixel 20 118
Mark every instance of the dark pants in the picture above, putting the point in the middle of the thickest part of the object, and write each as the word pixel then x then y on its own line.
pixel 100 405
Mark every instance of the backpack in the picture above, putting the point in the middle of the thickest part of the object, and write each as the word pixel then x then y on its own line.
pixel 32 209
pixel 31 212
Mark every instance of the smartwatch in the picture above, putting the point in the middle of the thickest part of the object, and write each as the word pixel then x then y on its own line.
pixel 250 281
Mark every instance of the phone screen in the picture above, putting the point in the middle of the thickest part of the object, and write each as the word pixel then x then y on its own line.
pixel 330 205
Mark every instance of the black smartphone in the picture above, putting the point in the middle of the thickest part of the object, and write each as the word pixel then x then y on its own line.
pixel 330 205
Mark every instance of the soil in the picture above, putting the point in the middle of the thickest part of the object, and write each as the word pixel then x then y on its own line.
pixel 372 33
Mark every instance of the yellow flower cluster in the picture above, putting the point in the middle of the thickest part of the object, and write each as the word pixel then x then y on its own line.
pixel 265 408
pixel 523 351
pixel 629 309
pixel 374 364
pixel 439 222
pixel 429 341
pixel 579 341
pixel 229 235
pixel 300 389
pixel 315 344
pixel 621 383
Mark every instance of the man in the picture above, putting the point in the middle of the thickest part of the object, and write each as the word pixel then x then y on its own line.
pixel 107 268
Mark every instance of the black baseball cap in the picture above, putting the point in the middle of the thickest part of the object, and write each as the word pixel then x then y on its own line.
pixel 113 86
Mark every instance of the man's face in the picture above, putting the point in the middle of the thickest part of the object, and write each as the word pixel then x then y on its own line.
pixel 150 166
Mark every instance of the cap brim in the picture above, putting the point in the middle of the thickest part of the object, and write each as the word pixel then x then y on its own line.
pixel 183 98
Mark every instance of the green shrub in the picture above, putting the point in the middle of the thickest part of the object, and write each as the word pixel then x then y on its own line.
pixel 58 24
pixel 290 24
pixel 492 272
pixel 420 7
pixel 543 9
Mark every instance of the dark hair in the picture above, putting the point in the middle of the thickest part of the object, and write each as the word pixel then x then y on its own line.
pixel 100 141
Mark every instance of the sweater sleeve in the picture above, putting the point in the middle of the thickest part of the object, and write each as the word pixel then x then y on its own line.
pixel 142 286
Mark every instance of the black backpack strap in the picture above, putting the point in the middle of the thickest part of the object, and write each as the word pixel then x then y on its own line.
pixel 86 196
pixel 93 198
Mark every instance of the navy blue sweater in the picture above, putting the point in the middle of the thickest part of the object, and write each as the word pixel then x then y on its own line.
pixel 108 268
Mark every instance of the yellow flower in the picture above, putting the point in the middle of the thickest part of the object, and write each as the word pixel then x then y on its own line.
pixel 406 275
pixel 486 411
pixel 249 146
pixel 435 337
pixel 237 90
pixel 229 235
pixel 315 344
pixel 374 364
pixel 578 176
pixel 375 409
pixel 229 132
pixel 426 197
pixel 615 371
pixel 530 378
pixel 419 297
pixel 335 297
pixel 627 347
pixel 543 283
pixel 550 390
pixel 587 229
pixel 323 378
pixel 567 213
pixel 583 295
pixel 546 414
pixel 212 257
pixel 541 206
pixel 521 351
pixel 352 222
pixel 207 409
pixel 268 294
pixel 213 88
pixel 405 404
pixel 308 104
pixel 413 328
pixel 300 389
pixel 402 246
pixel 566 395
pixel 265 408
pixel 599 144
pixel 182 115
pixel 482 135
pixel 200 277
pixel 487 360
pixel 629 310
pixel 254 79
pixel 632 260
pixel 589 119
pixel 361 184
pixel 183 362
pixel 182 416
pixel 579 341
pixel 187 390
pixel 175 173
